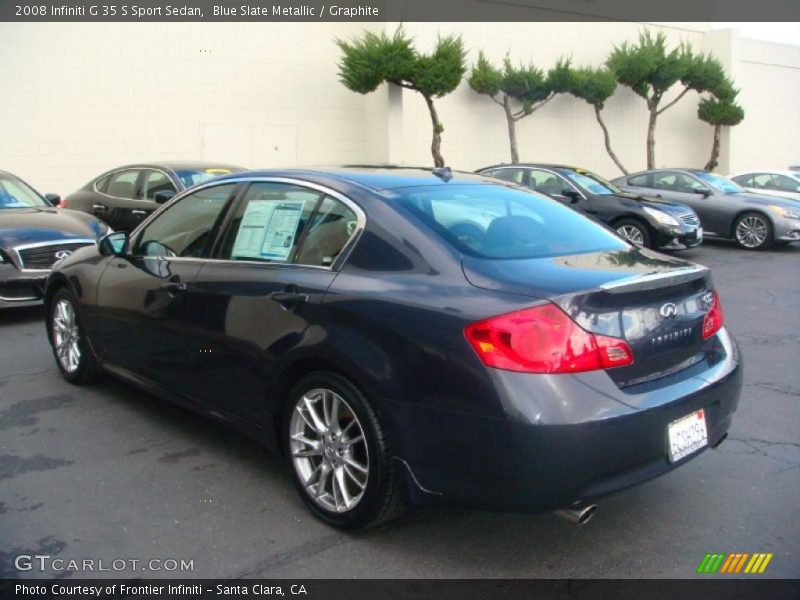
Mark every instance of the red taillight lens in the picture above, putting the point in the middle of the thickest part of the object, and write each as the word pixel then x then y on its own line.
pixel 62 203
pixel 714 318
pixel 544 339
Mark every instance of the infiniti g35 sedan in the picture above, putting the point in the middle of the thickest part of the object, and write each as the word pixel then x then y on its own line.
pixel 644 221
pixel 335 315
pixel 33 236
pixel 125 196
pixel 726 210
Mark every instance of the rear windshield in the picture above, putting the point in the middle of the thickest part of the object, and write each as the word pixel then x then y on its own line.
pixel 495 221
pixel 192 177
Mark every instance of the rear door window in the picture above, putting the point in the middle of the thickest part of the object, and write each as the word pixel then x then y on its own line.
pixel 123 184
pixel 155 181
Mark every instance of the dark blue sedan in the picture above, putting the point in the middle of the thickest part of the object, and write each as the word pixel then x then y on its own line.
pixel 539 363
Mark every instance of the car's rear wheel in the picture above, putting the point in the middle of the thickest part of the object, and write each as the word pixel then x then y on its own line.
pixel 753 231
pixel 633 231
pixel 340 453
pixel 71 348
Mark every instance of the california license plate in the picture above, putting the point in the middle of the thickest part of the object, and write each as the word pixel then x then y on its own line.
pixel 687 435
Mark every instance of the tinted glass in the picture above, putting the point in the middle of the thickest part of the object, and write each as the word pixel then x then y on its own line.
pixel 269 222
pixel 15 194
pixel 155 181
pixel 639 181
pixel 123 184
pixel 191 177
pixel 505 223
pixel 100 184
pixel 185 228
pixel 719 182
pixel 547 183
pixel 675 182
pixel 786 184
pixel 331 228
pixel 512 175
pixel 592 183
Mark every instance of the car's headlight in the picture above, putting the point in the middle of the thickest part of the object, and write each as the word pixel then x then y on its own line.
pixel 785 212
pixel 661 216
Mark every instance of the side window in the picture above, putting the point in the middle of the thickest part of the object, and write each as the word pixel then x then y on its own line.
pixel 331 228
pixel 123 184
pixel 100 184
pixel 665 181
pixel 763 181
pixel 547 183
pixel 155 181
pixel 786 184
pixel 269 222
pixel 512 175
pixel 185 228
pixel 639 181
pixel 744 180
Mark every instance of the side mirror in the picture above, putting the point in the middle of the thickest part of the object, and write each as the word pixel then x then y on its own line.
pixel 163 196
pixel 114 244
pixel 573 195
pixel 705 192
pixel 53 199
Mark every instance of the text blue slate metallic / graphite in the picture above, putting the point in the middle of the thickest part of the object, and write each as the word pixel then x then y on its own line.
pixel 339 315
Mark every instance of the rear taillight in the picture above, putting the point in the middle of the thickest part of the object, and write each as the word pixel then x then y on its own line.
pixel 62 203
pixel 714 318
pixel 544 339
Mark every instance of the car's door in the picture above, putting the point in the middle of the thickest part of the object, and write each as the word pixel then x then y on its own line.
pixel 250 305
pixel 683 189
pixel 144 203
pixel 141 296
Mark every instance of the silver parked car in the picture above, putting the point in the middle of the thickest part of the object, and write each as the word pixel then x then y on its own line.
pixel 727 210
pixel 773 182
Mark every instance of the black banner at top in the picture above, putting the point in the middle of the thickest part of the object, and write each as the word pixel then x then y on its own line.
pixel 398 10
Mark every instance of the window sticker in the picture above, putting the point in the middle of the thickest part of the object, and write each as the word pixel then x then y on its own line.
pixel 268 229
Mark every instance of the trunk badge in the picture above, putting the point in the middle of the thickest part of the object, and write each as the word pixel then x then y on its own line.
pixel 669 310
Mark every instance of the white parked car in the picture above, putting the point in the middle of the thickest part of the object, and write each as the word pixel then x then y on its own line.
pixel 773 182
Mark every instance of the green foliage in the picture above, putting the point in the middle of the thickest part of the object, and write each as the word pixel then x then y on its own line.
pixel 376 58
pixel 704 73
pixel 559 78
pixel 648 66
pixel 721 110
pixel 595 86
pixel 485 77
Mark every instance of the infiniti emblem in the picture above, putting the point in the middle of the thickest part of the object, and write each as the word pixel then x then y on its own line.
pixel 61 254
pixel 669 310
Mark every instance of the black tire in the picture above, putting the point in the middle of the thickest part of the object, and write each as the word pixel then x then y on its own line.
pixel 381 499
pixel 86 370
pixel 750 218
pixel 643 230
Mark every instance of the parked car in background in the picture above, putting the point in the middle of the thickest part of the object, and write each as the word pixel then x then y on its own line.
pixel 785 184
pixel 34 235
pixel 303 307
pixel 644 221
pixel 727 210
pixel 125 196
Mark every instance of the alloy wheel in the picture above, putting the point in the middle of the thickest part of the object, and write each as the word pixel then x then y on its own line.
pixel 631 233
pixel 752 231
pixel 329 450
pixel 66 336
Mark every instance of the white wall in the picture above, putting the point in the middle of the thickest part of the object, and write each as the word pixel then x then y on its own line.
pixel 76 99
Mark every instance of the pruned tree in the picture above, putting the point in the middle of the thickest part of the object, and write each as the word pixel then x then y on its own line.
pixel 520 91
pixel 595 86
pixel 650 70
pixel 373 59
pixel 720 110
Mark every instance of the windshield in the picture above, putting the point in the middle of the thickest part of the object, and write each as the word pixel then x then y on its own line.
pixel 192 177
pixel 495 221
pixel 590 182
pixel 16 194
pixel 724 185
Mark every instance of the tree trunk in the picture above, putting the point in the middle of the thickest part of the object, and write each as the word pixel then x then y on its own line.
pixel 512 130
pixel 714 160
pixel 651 138
pixel 608 141
pixel 436 142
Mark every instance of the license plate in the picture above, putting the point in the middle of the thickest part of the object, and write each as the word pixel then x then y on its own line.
pixel 687 435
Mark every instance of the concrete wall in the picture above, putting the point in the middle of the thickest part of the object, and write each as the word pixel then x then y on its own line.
pixel 81 98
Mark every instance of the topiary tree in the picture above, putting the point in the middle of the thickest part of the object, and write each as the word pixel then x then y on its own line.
pixel 595 86
pixel 520 91
pixel 650 71
pixel 376 58
pixel 720 110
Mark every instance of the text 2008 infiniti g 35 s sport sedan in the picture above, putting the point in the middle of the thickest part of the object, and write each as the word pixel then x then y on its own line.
pixel 333 314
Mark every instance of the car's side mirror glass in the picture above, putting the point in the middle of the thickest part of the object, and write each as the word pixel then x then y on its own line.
pixel 705 192
pixel 572 195
pixel 163 196
pixel 53 199
pixel 114 244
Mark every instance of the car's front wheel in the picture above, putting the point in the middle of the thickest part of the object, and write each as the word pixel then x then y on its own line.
pixel 753 231
pixel 634 231
pixel 71 348
pixel 340 453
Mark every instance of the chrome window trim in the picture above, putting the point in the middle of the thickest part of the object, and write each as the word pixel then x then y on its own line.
pixel 546 170
pixel 361 221
pixel 16 250
pixel 143 201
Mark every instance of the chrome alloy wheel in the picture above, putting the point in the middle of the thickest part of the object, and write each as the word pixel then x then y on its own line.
pixel 752 232
pixel 329 451
pixel 66 336
pixel 631 233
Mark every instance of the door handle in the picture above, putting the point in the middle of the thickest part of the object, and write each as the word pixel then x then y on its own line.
pixel 287 299
pixel 99 208
pixel 139 213
pixel 174 286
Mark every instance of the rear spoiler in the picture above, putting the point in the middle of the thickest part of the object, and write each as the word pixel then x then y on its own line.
pixel 656 279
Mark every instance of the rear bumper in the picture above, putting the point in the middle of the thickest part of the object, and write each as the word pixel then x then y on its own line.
pixel 518 464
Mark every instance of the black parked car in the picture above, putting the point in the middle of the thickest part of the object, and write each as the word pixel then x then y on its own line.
pixel 336 315
pixel 645 221
pixel 726 210
pixel 34 235
pixel 124 196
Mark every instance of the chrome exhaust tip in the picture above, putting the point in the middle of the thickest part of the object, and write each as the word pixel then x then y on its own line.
pixel 578 515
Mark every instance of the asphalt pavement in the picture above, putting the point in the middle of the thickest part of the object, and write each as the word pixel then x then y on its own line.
pixel 108 473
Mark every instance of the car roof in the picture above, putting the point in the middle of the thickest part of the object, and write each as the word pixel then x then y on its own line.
pixel 534 165
pixel 787 172
pixel 180 165
pixel 378 178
